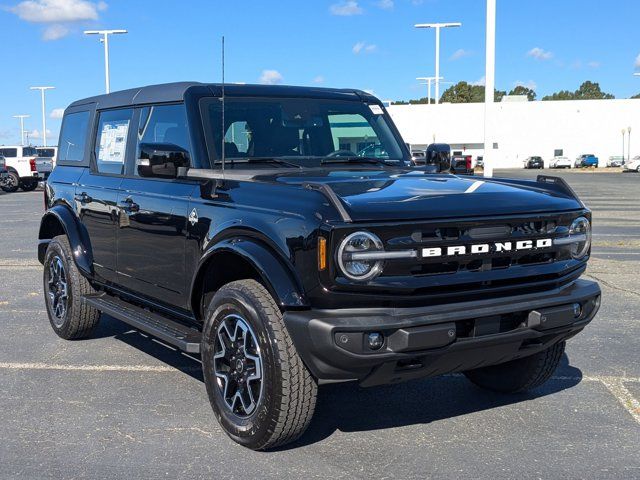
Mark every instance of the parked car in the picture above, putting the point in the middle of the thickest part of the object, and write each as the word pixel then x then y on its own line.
pixel 4 175
pixel 633 165
pixel 560 162
pixel 534 162
pixel 438 157
pixel 462 164
pixel 22 168
pixel 615 161
pixel 418 157
pixel 287 262
pixel 586 160
pixel 480 161
pixel 48 152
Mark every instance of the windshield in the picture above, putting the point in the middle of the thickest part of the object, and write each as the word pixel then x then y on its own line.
pixel 295 133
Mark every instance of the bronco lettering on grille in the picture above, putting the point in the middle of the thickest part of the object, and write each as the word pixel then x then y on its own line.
pixel 480 248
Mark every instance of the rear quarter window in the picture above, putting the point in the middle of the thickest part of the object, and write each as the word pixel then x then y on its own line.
pixel 73 137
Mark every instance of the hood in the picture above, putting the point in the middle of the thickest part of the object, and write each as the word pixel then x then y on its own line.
pixel 379 195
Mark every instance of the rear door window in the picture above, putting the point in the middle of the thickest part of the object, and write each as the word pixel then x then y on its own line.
pixel 9 152
pixel 111 140
pixel 73 137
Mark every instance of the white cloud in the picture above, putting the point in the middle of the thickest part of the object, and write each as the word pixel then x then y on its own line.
pixel 55 32
pixel 458 54
pixel 539 53
pixel 637 62
pixel 36 134
pixel 57 11
pixel 530 84
pixel 480 82
pixel 271 77
pixel 363 47
pixel 56 113
pixel 346 8
pixel 319 79
pixel 593 64
pixel 385 4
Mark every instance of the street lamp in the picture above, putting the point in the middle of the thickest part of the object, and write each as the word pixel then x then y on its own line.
pixel 21 117
pixel 428 80
pixel 489 86
pixel 44 113
pixel 623 130
pixel 438 26
pixel 628 146
pixel 105 40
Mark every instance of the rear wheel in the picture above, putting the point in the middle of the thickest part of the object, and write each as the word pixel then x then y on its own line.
pixel 261 393
pixel 29 185
pixel 64 286
pixel 519 375
pixel 13 182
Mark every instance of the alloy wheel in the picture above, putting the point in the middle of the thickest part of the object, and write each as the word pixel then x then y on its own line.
pixel 238 365
pixel 58 290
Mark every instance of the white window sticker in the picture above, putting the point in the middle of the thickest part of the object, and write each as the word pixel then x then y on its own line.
pixel 376 109
pixel 113 141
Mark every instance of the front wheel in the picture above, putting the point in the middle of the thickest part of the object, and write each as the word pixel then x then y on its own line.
pixel 519 375
pixel 261 393
pixel 13 182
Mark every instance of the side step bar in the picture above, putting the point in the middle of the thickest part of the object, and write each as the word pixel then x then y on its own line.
pixel 180 336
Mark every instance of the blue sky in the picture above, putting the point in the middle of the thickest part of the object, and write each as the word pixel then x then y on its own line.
pixel 368 44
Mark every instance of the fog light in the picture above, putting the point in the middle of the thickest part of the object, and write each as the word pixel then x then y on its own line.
pixel 375 340
pixel 577 310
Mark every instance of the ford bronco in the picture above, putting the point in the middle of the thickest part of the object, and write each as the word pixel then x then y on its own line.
pixel 245 224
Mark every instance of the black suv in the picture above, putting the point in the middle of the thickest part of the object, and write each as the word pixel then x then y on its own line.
pixel 534 162
pixel 241 224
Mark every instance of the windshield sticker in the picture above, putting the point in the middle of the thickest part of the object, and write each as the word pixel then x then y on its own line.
pixel 376 109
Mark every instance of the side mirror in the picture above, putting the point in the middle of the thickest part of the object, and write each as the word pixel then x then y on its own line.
pixel 163 160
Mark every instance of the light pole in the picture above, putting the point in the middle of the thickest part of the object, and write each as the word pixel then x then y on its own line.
pixel 44 113
pixel 437 27
pixel 105 40
pixel 489 86
pixel 623 130
pixel 628 145
pixel 21 117
pixel 428 80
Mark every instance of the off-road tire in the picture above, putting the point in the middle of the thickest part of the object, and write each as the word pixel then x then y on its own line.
pixel 15 182
pixel 288 396
pixel 29 185
pixel 80 319
pixel 519 375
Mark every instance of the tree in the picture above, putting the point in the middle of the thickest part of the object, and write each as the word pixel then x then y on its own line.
pixel 636 96
pixel 522 90
pixel 463 92
pixel 587 91
pixel 591 91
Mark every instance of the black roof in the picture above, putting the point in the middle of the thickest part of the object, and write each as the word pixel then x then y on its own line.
pixel 173 92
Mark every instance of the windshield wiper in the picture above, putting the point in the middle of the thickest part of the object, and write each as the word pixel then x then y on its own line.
pixel 377 161
pixel 260 160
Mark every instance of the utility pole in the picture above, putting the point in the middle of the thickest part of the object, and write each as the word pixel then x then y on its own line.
pixel 628 145
pixel 21 117
pixel 44 113
pixel 105 41
pixel 437 27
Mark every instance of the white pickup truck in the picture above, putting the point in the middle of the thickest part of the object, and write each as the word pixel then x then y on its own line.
pixel 25 167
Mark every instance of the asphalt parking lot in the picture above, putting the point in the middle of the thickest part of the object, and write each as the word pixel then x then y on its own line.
pixel 121 405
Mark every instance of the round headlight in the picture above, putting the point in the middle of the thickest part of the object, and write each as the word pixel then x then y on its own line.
pixel 581 230
pixel 352 256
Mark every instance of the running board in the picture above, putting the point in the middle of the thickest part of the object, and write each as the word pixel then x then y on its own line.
pixel 180 336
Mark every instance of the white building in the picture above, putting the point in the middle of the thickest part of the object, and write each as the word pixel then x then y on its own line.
pixel 523 129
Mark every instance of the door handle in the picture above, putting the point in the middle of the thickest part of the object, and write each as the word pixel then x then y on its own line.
pixel 129 206
pixel 83 198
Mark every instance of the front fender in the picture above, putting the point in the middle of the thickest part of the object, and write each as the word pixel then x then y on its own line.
pixel 61 216
pixel 276 276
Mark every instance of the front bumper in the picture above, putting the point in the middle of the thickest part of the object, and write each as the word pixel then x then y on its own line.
pixel 433 340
